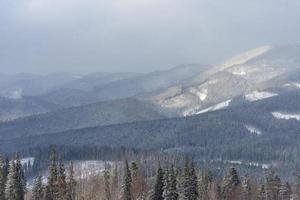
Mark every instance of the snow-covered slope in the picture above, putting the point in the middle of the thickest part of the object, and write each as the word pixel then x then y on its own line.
pixel 252 74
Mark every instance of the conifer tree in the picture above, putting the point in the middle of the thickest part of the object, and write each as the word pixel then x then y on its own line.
pixel 61 181
pixel 185 185
pixel 193 189
pixel 115 183
pixel 11 186
pixel 38 189
pixel 52 190
pixel 159 185
pixel 170 185
pixel 205 185
pixel 297 185
pixel 15 184
pixel 2 178
pixel 272 186
pixel 107 185
pixel 126 187
pixel 229 184
pixel 71 187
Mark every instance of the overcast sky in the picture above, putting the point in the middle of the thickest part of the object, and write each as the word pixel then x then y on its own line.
pixel 83 36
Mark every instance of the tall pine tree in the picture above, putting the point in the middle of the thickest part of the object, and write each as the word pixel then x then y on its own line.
pixel 38 189
pixel 127 181
pixel 52 190
pixel 159 185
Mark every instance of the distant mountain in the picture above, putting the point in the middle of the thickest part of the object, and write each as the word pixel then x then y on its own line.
pixel 260 131
pixel 97 87
pixel 11 109
pixel 258 69
pixel 97 114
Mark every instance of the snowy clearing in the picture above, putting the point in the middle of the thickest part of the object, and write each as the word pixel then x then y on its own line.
pixel 218 106
pixel 253 130
pixel 286 116
pixel 256 95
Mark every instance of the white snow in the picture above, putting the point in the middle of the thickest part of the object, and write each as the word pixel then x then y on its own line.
pixel 286 116
pixel 294 84
pixel 256 95
pixel 202 94
pixel 239 73
pixel 253 130
pixel 27 160
pixel 195 111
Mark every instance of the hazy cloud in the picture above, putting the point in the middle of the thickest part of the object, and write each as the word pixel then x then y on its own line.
pixel 137 35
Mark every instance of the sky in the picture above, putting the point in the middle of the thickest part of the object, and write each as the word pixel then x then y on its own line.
pixel 84 36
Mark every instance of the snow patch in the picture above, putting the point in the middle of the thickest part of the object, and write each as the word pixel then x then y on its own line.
pixel 295 84
pixel 26 161
pixel 253 130
pixel 239 73
pixel 202 94
pixel 256 95
pixel 286 116
pixel 218 106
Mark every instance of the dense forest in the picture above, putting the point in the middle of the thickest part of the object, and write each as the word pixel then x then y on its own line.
pixel 169 179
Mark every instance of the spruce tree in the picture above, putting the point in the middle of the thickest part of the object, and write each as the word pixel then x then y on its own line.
pixel 38 189
pixel 11 183
pixel 159 185
pixel 205 184
pixel 71 187
pixel 52 185
pixel 170 185
pixel 127 181
pixel 115 182
pixel 20 179
pixel 229 184
pixel 61 181
pixel 185 185
pixel 272 186
pixel 107 185
pixel 2 178
pixel 193 189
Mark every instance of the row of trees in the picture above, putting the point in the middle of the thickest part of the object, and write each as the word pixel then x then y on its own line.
pixel 130 183
pixel 58 187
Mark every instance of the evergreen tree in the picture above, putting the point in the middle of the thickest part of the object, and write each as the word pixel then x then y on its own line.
pixel 159 185
pixel 193 189
pixel 170 185
pixel 205 185
pixel 38 189
pixel 107 186
pixel 115 183
pixel 273 184
pixel 2 178
pixel 71 187
pixel 229 184
pixel 185 185
pixel 20 179
pixel 11 186
pixel 52 190
pixel 61 182
pixel 126 187
pixel 297 185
